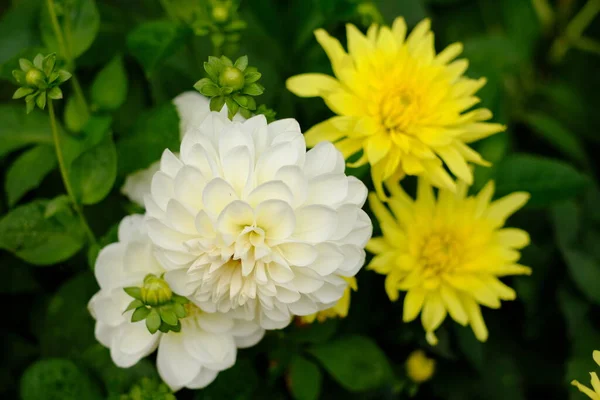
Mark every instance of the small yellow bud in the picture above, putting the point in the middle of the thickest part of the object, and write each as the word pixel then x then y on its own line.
pixel 220 14
pixel 232 77
pixel 155 291
pixel 33 77
pixel 419 367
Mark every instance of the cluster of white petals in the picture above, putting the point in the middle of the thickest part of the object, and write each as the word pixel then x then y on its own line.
pixel 245 220
pixel 191 358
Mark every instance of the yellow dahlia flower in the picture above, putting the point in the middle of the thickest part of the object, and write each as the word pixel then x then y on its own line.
pixel 340 309
pixel 401 104
pixel 419 367
pixel 594 393
pixel 447 253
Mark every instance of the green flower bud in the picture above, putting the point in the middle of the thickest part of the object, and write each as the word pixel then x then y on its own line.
pixel 34 77
pixel 232 77
pixel 155 291
pixel 220 13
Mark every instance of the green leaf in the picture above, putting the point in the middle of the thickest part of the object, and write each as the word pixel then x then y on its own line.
pixel 76 115
pixel 153 321
pixel 109 89
pixel 58 204
pixel 154 131
pixel 134 304
pixel 548 181
pixel 206 87
pixel 20 130
pixel 28 171
pixel 179 310
pixel 153 42
pixel 217 103
pixel 67 327
pixel 140 314
pixel 355 362
pixel 254 89
pixel 25 232
pixel 168 316
pixel 241 63
pixel 83 23
pixel 558 136
pixel 57 379
pixel 585 272
pixel 94 172
pixel 18 30
pixel 305 379
pixel 134 292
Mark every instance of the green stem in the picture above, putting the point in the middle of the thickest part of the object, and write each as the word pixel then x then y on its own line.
pixel 574 30
pixel 64 173
pixel 64 49
pixel 57 31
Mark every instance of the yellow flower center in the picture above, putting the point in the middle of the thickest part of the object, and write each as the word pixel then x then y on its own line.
pixel 440 253
pixel 399 109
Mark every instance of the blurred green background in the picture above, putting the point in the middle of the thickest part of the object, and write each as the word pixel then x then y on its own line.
pixel 542 62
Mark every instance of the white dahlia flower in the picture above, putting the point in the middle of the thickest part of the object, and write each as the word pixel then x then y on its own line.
pixel 207 342
pixel 192 108
pixel 246 220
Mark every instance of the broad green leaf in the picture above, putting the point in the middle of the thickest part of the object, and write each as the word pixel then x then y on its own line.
pixel 109 89
pixel 238 382
pixel 67 328
pixel 355 362
pixel 116 380
pixel 585 272
pixel 522 25
pixel 79 32
pixel 558 136
pixel 547 180
pixel 20 130
pixel 566 218
pixel 25 232
pixel 57 378
pixel 155 131
pixel 18 29
pixel 94 172
pixel 76 115
pixel 152 42
pixel 304 379
pixel 28 171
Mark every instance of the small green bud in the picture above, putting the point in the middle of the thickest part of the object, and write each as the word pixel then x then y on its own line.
pixel 220 13
pixel 34 77
pixel 155 291
pixel 232 77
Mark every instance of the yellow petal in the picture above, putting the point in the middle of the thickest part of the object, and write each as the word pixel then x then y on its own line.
pixel 470 155
pixel 479 130
pixel 475 318
pixel 359 47
pixel 333 48
pixel 595 382
pixel 425 197
pixel 596 355
pixel 503 208
pixel 377 147
pixel 324 131
pixel 453 304
pixel 418 33
pixel 503 291
pixel 585 390
pixel 456 69
pixel 483 198
pixel 381 212
pixel 449 53
pixel 438 176
pixel 386 41
pixel 382 263
pixel 399 29
pixel 391 285
pixel 434 312
pixel 511 269
pixel 343 102
pixel 456 163
pixel 513 237
pixel 348 147
pixel 412 304
pixel 311 85
pixel 378 245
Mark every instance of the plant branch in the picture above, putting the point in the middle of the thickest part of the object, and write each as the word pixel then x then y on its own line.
pixel 65 175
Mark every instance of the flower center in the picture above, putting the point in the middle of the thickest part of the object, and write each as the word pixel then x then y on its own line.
pixel 398 109
pixel 251 242
pixel 440 253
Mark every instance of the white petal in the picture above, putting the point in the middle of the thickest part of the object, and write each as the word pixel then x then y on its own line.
pixel 276 218
pixel 329 259
pixel 192 108
pixel 315 223
pixel 327 189
pixel 304 306
pixel 131 227
pixel 179 282
pixel 109 266
pixel 298 254
pixel 132 343
pixel 280 273
pixel 170 163
pixel 188 187
pixel 273 159
pixel 137 185
pixel 293 177
pixel 237 168
pixel 215 322
pixel 324 158
pixel 175 364
pixel 272 190
pixel 204 378
pixel 234 218
pixel 217 195
pixel 306 280
pixel 357 192
pixel 162 189
pixel 244 342
pixel 217 351
pixel 361 232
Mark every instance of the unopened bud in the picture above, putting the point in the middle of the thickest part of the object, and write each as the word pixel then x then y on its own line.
pixel 34 77
pixel 155 291
pixel 232 77
pixel 220 13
